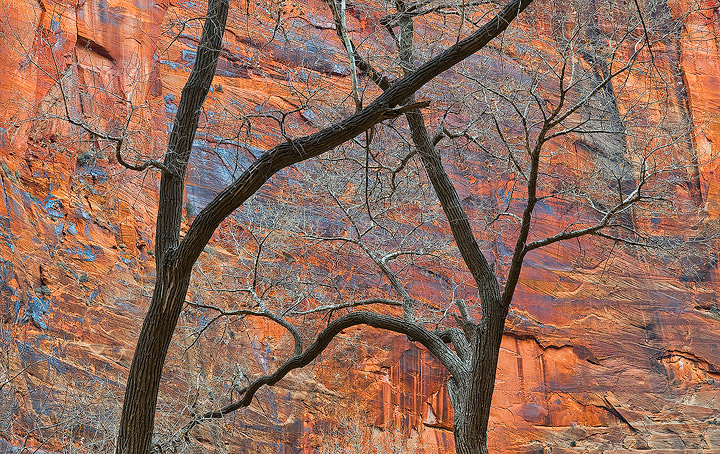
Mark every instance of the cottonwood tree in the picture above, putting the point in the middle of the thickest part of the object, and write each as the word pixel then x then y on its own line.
pixel 593 92
pixel 561 100
pixel 175 256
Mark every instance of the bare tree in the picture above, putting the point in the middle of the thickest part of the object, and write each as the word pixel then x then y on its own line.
pixel 564 97
pixel 585 96
pixel 175 258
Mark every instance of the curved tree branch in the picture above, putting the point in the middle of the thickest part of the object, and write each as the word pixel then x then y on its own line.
pixel 432 342
pixel 289 153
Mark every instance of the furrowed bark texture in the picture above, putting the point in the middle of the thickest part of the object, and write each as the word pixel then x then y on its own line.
pixel 138 414
pixel 473 392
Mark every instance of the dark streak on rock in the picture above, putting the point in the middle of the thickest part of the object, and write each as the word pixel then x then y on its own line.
pixel 88 43
pixel 614 411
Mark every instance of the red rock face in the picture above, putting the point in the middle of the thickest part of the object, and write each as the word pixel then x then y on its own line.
pixel 614 354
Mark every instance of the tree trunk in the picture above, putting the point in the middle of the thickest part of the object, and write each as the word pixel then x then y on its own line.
pixel 173 275
pixel 174 260
pixel 468 441
pixel 472 398
pixel 138 415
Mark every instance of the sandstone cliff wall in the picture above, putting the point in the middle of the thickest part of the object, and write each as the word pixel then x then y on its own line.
pixel 613 356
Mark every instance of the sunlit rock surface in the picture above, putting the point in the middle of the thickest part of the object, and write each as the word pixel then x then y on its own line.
pixel 614 355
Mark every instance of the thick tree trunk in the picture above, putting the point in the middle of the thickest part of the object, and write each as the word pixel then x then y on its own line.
pixel 470 442
pixel 175 260
pixel 472 398
pixel 173 275
pixel 136 428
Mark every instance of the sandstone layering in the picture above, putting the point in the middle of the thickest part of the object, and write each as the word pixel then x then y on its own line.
pixel 616 354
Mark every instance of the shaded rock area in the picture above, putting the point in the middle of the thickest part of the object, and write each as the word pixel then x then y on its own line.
pixel 615 355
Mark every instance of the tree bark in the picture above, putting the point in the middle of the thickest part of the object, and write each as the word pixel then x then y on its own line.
pixel 138 415
pixel 468 440
pixel 473 397
pixel 173 277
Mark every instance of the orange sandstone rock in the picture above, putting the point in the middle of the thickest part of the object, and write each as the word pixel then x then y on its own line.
pixel 615 356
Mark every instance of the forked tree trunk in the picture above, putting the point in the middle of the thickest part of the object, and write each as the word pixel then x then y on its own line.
pixel 174 260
